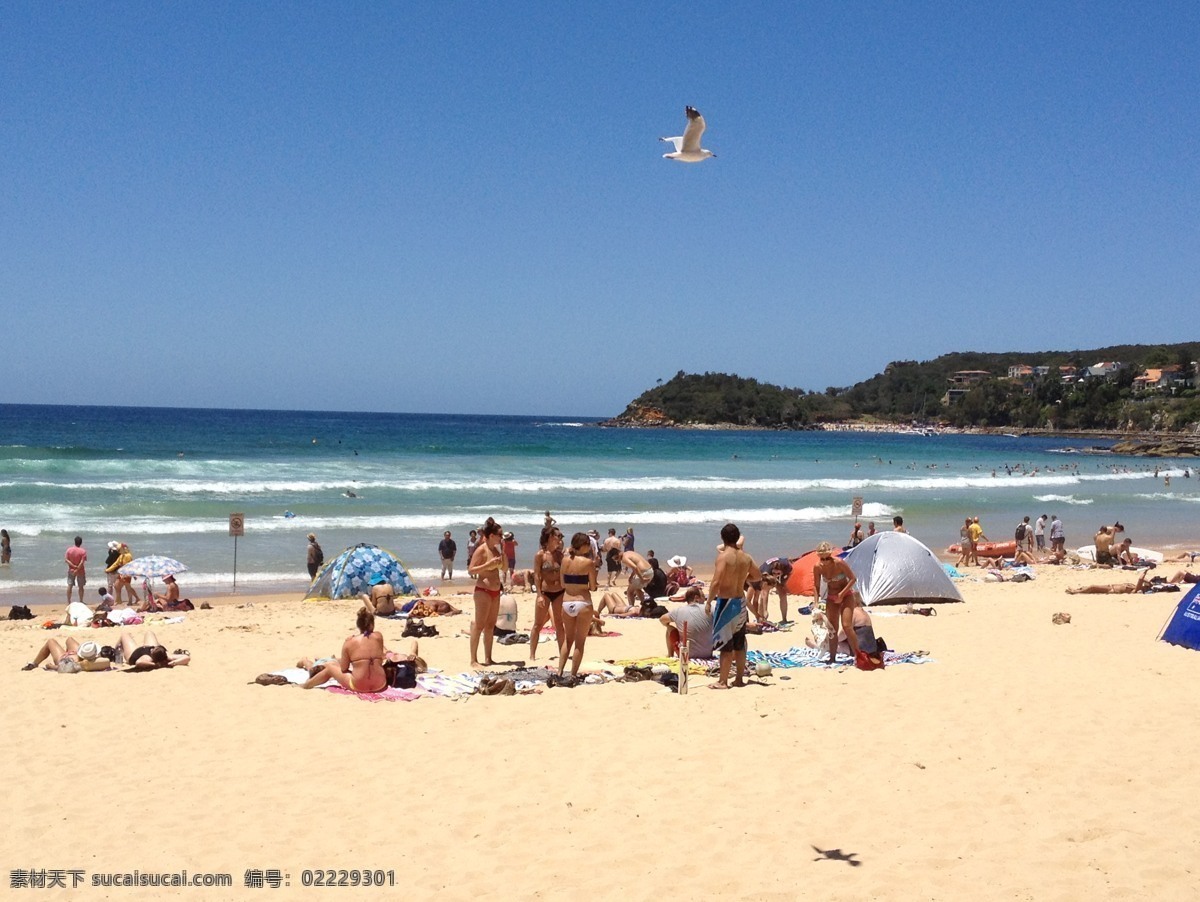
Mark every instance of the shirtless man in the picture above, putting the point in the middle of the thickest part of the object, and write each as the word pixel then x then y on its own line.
pixel 611 549
pixel 640 574
pixel 381 600
pixel 730 572
pixel 1104 541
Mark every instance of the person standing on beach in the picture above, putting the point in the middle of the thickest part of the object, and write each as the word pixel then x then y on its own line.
pixel 486 566
pixel 316 557
pixel 640 574
pixel 611 549
pixel 1039 532
pixel 579 581
pixel 76 558
pixel 977 536
pixel 547 581
pixel 840 598
pixel 1058 539
pixel 727 606
pixel 964 544
pixel 856 535
pixel 472 544
pixel 627 539
pixel 509 545
pixel 779 569
pixel 110 563
pixel 447 548
pixel 5 547
pixel 898 524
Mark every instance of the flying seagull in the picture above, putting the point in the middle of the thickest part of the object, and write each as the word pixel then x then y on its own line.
pixel 687 148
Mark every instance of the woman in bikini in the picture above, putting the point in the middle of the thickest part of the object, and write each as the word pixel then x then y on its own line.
pixel 485 565
pixel 547 581
pixel 579 581
pixel 840 596
pixel 360 667
pixel 150 655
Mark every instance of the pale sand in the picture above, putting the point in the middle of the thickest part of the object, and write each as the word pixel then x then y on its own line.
pixel 1029 761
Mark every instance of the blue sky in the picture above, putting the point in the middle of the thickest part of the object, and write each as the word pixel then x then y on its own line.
pixel 462 207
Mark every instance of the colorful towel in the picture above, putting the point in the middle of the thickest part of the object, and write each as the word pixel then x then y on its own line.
pixel 387 695
pixel 699 666
pixel 729 616
pixel 810 657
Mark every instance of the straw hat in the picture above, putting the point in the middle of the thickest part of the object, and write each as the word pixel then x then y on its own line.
pixel 88 651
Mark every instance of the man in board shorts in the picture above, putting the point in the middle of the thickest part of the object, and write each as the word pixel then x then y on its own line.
pixel 76 558
pixel 727 605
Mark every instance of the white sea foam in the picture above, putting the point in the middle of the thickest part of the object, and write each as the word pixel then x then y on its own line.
pixel 1062 499
pixel 129 528
pixel 207 486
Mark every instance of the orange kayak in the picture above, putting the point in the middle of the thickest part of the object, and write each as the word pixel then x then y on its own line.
pixel 989 549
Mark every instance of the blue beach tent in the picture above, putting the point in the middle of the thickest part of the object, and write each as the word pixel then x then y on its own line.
pixel 1184 626
pixel 350 573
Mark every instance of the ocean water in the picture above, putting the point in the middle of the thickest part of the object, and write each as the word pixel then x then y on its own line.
pixel 166 480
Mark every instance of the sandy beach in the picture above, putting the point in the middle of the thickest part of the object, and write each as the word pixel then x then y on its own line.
pixel 1027 760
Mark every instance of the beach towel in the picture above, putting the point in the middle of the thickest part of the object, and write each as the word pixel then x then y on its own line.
pixel 387 695
pixel 810 657
pixel 729 617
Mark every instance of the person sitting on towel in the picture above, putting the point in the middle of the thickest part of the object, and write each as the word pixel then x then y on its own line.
pixel 359 668
pixel 699 626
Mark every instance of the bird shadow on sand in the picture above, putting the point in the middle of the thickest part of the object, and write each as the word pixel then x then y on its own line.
pixel 851 858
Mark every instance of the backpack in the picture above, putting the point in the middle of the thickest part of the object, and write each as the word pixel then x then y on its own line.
pixel 1020 534
pixel 20 612
pixel 400 674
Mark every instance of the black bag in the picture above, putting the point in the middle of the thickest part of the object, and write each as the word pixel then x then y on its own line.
pixel 1020 533
pixel 400 674
pixel 20 612
pixel 418 629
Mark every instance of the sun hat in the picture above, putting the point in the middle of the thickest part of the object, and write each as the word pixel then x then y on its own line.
pixel 88 651
pixel 377 579
pixel 312 536
pixel 114 546
pixel 168 577
pixel 678 561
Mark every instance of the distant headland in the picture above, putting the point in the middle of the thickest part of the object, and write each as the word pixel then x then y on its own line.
pixel 1145 395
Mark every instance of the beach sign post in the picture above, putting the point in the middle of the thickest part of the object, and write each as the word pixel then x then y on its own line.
pixel 855 508
pixel 237 527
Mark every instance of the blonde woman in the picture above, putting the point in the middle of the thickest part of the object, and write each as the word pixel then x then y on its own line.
pixel 840 596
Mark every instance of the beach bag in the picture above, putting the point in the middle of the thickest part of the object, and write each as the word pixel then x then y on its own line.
pixel 401 674
pixel 20 612
pixel 1019 535
pixel 69 665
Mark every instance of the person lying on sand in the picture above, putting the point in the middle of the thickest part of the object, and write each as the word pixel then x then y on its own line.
pixel 359 668
pixel 1112 588
pixel 86 654
pixel 150 655
pixel 618 605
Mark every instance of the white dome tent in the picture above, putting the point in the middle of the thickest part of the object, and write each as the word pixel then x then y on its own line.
pixel 893 567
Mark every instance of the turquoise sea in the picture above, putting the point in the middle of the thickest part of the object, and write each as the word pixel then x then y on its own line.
pixel 166 480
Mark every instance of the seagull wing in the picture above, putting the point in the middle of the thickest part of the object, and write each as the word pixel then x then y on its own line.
pixel 678 142
pixel 695 128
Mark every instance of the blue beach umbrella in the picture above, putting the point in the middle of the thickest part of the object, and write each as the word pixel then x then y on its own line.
pixel 152 565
